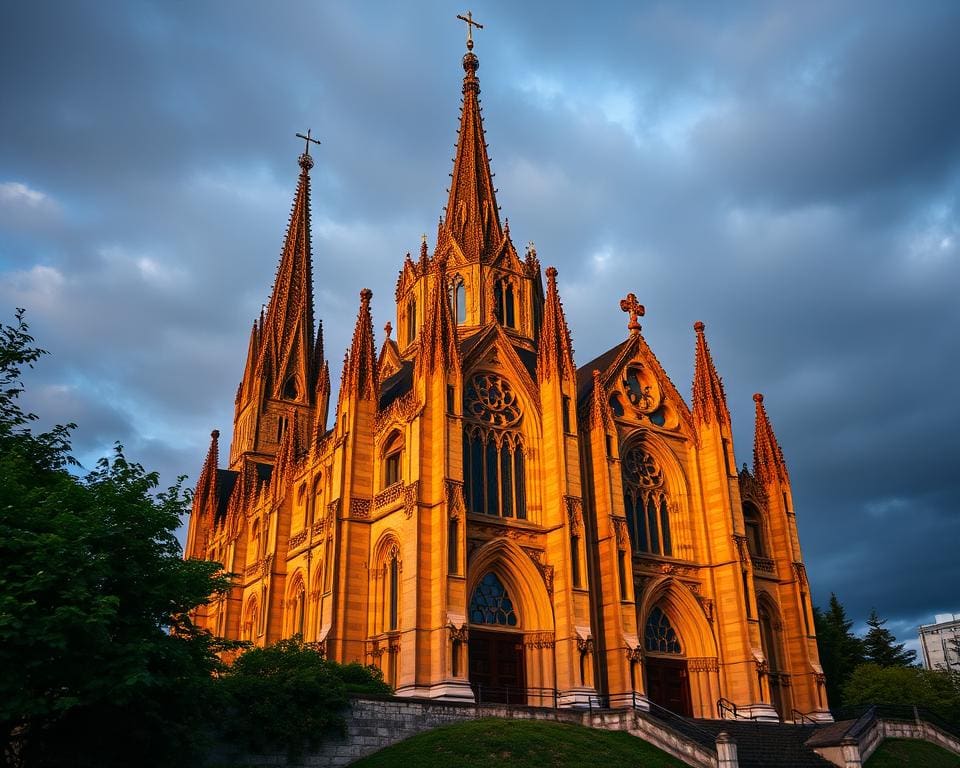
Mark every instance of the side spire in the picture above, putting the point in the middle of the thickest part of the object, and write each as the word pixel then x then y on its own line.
pixel 556 349
pixel 472 216
pixel 709 399
pixel 768 461
pixel 288 327
pixel 438 344
pixel 360 367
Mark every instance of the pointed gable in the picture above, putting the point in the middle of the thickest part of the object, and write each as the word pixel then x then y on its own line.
pixel 709 399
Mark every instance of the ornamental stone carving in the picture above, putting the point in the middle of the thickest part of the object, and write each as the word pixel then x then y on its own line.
pixel 490 399
pixel 539 640
pixel 574 505
pixel 456 506
pixel 410 494
pixel 360 508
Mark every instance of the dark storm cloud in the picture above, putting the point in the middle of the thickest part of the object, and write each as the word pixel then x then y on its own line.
pixel 788 174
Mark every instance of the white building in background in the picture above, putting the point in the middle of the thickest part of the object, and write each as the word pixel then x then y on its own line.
pixel 939 642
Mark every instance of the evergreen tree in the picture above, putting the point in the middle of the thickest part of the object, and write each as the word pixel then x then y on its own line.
pixel 840 650
pixel 881 647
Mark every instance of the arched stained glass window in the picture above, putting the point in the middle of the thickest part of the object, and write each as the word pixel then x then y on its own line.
pixel 659 636
pixel 491 604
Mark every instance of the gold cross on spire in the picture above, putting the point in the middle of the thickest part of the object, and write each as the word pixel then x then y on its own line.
pixel 308 140
pixel 635 308
pixel 470 25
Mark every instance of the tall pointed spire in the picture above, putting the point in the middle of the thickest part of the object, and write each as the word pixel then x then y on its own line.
pixel 556 350
pixel 709 399
pixel 472 216
pixel 768 461
pixel 287 343
pixel 438 344
pixel 360 367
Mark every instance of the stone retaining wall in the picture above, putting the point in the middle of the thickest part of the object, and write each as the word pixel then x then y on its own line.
pixel 373 724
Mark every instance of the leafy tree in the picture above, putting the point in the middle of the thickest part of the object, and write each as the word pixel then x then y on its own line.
pixel 881 647
pixel 99 661
pixel 937 690
pixel 840 650
pixel 287 697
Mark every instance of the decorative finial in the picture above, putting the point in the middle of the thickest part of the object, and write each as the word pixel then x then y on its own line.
pixel 699 326
pixel 215 434
pixel 758 398
pixel 551 273
pixel 388 329
pixel 635 308
pixel 470 25
pixel 365 295
pixel 306 162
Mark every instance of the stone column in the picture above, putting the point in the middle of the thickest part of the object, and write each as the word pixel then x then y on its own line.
pixel 726 751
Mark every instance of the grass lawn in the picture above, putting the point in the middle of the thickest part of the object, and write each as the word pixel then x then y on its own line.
pixel 521 744
pixel 894 753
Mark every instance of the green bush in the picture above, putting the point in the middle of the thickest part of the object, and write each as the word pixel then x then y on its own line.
pixel 937 690
pixel 287 697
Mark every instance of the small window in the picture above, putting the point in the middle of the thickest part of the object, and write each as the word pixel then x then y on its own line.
pixel 451 399
pixel 281 427
pixel 566 414
pixel 411 321
pixel 392 454
pixel 575 561
pixel 609 441
pixel 453 547
pixel 458 300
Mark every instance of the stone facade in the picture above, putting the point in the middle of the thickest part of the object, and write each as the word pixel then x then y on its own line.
pixel 481 517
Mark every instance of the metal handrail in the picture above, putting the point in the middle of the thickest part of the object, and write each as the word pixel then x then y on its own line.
pixel 804 717
pixel 725 705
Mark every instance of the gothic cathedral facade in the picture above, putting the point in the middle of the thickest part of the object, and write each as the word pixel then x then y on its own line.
pixel 482 519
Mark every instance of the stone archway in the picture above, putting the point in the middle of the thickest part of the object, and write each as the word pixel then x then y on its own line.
pixel 511 629
pixel 680 665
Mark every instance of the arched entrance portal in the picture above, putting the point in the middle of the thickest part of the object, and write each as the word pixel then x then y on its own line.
pixel 496 646
pixel 668 679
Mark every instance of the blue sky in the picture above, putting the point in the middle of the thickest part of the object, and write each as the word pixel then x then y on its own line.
pixel 788 173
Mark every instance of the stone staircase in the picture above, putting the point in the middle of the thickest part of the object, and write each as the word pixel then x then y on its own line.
pixel 769 745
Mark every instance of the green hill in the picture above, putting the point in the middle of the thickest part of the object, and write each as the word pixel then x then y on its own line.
pixel 897 753
pixel 522 744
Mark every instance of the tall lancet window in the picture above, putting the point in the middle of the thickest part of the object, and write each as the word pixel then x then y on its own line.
pixel 504 306
pixel 493 461
pixel 458 300
pixel 411 321
pixel 645 503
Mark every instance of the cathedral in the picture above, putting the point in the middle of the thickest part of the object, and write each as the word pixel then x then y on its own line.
pixel 481 518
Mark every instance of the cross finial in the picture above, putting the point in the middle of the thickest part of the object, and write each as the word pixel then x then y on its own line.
pixel 306 162
pixel 470 25
pixel 635 308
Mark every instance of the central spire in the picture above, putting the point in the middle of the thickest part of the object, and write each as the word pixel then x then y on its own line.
pixel 472 217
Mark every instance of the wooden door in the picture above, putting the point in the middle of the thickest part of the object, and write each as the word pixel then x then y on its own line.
pixel 496 666
pixel 668 684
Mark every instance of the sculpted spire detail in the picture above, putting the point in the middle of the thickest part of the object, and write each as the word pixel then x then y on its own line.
pixel 360 367
pixel 768 461
pixel 556 349
pixel 438 345
pixel 709 399
pixel 472 217
pixel 287 336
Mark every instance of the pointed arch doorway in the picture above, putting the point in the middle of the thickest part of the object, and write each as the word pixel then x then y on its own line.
pixel 495 650
pixel 668 679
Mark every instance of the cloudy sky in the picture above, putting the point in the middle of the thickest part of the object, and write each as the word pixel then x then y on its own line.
pixel 787 173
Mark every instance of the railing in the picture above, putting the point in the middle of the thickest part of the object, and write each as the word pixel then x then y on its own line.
pixel 683 725
pixel 726 707
pixel 516 696
pixel 802 718
pixel 901 712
